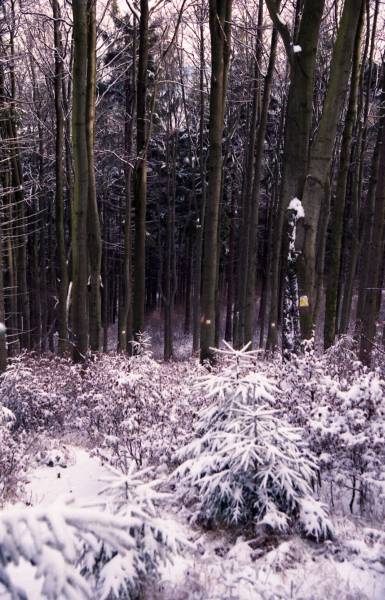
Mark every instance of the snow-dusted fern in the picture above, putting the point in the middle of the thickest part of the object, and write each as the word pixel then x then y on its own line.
pixel 89 552
pixel 247 464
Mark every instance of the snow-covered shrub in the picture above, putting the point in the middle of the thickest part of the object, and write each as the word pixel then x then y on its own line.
pixel 339 405
pixel 347 430
pixel 12 456
pixel 39 392
pixel 309 378
pixel 130 407
pixel 89 552
pixel 341 360
pixel 11 464
pixel 142 411
pixel 247 464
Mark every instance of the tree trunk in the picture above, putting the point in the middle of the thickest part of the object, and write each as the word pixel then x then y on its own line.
pixel 93 224
pixel 169 273
pixel 230 271
pixel 3 342
pixel 250 306
pixel 140 185
pixel 297 134
pixel 317 180
pixel 249 200
pixel 125 328
pixel 375 250
pixel 106 281
pixel 59 175
pixel 200 219
pixel 337 215
pixel 188 277
pixel 366 215
pixel 81 182
pixel 220 32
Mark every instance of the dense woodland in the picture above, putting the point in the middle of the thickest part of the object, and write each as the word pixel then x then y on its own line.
pixel 215 168
pixel 192 325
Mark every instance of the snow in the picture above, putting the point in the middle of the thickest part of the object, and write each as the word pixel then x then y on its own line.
pixel 222 563
pixel 24 575
pixel 297 49
pixel 296 205
pixel 295 568
pixel 214 565
pixel 80 481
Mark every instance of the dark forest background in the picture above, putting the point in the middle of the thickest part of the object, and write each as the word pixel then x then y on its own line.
pixel 208 168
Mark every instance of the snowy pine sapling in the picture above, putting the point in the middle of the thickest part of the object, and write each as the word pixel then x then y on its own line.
pixel 136 499
pixel 246 464
pixel 52 539
pixel 88 552
pixel 141 346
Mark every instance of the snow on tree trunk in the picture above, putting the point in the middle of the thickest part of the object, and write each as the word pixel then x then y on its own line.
pixel 291 330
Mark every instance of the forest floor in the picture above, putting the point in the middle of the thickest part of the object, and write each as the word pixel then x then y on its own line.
pixel 221 565
pixel 70 463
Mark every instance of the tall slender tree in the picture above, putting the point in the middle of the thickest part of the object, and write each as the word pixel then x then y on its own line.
pixel 125 328
pixel 140 176
pixel 297 132
pixel 59 176
pixel 318 173
pixel 375 251
pixel 81 181
pixel 3 341
pixel 93 224
pixel 337 214
pixel 250 305
pixel 220 34
pixel 200 217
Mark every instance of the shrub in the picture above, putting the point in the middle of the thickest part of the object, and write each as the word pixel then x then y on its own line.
pixel 12 455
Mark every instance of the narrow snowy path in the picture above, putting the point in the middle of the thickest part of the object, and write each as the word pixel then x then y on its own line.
pixel 79 479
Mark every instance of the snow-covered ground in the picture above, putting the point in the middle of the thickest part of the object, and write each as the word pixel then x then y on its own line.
pixel 73 424
pixel 221 566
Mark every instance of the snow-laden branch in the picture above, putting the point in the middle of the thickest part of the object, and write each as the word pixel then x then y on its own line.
pixel 88 552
